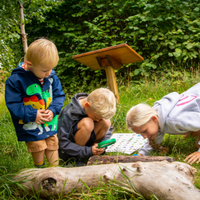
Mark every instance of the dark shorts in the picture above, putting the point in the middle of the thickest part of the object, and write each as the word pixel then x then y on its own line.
pixel 92 138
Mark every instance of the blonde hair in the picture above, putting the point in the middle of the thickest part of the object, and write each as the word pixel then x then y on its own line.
pixel 103 102
pixel 42 51
pixel 139 115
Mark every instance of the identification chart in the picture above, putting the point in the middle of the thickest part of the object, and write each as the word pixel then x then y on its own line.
pixel 126 143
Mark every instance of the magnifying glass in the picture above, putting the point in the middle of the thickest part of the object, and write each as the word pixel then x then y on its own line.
pixel 106 143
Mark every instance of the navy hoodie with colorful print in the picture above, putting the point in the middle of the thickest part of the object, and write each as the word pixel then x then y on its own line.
pixel 24 95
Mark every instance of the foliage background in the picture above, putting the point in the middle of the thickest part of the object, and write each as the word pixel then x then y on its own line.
pixel 166 33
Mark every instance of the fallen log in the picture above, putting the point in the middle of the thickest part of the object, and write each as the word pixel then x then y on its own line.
pixel 125 159
pixel 163 179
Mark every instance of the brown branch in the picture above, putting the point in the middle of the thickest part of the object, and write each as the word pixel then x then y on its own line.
pixel 22 27
pixel 126 159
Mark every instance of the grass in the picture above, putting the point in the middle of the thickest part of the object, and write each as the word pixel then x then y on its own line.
pixel 14 156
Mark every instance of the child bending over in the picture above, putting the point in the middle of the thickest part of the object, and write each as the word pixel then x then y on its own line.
pixel 175 114
pixel 34 98
pixel 85 122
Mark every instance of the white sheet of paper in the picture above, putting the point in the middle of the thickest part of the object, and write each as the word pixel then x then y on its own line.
pixel 126 143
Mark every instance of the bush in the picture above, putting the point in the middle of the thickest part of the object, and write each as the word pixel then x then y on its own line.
pixel 165 33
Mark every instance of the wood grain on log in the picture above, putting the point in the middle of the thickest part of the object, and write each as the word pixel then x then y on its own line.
pixel 125 159
pixel 163 179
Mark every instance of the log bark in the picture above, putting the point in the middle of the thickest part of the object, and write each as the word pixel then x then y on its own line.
pixel 163 179
pixel 126 159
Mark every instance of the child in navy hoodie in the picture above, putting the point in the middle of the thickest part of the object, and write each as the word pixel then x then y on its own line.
pixel 34 98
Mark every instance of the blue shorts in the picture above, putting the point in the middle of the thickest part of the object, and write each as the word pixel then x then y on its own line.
pixel 92 138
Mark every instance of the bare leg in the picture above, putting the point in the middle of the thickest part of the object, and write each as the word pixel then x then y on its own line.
pixel 191 134
pixel 85 127
pixel 101 128
pixel 38 157
pixel 198 139
pixel 52 157
pixel 194 134
pixel 186 135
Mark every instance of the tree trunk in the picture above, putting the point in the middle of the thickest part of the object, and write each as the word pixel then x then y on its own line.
pixel 22 27
pixel 126 159
pixel 163 179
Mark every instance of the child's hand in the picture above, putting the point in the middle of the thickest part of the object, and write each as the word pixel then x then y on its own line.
pixel 193 158
pixel 97 151
pixel 50 115
pixel 41 117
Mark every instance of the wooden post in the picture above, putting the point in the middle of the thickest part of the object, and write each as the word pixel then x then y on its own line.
pixel 111 79
pixel 109 64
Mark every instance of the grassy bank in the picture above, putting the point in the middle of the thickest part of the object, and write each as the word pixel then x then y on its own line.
pixel 14 156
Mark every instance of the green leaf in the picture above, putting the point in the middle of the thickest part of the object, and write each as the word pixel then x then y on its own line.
pixel 186 37
pixel 189 46
pixel 177 52
pixel 154 38
pixel 136 71
pixel 131 74
pixel 141 31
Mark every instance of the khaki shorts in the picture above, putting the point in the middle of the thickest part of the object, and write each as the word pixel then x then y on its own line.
pixel 50 143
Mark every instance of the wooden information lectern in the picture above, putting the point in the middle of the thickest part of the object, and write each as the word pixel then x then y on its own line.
pixel 111 59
